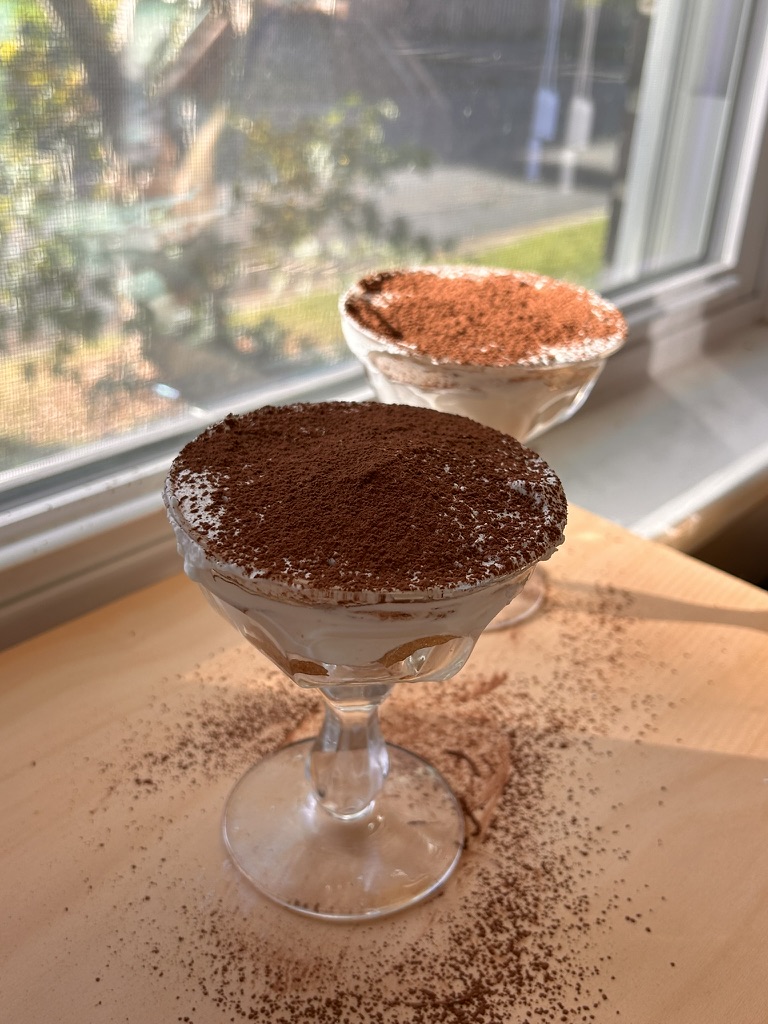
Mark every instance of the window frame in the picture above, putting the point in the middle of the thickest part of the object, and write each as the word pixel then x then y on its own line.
pixel 72 540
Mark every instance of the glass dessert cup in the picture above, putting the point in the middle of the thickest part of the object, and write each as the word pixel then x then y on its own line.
pixel 344 826
pixel 523 401
pixel 517 399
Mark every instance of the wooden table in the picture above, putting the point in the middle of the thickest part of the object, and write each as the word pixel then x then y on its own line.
pixel 611 754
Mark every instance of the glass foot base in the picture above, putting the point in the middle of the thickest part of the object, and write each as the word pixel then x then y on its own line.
pixel 395 854
pixel 527 603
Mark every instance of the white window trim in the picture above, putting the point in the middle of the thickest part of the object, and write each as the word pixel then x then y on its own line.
pixel 66 552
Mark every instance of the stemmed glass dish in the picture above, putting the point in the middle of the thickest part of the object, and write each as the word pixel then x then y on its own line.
pixel 517 351
pixel 345 826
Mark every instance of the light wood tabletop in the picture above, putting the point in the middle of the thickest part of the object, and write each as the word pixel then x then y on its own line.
pixel 611 755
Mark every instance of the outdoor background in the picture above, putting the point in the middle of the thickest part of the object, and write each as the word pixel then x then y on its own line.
pixel 185 188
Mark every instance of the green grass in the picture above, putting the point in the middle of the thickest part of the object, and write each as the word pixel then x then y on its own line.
pixel 315 316
pixel 573 252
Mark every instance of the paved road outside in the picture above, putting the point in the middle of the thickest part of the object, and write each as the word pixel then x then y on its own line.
pixel 453 203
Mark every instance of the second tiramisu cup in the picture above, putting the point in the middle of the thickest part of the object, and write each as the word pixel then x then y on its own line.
pixel 513 350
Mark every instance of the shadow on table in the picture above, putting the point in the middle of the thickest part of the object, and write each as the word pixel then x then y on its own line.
pixel 623 602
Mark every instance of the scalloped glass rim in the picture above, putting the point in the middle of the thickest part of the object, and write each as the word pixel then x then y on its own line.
pixel 521 369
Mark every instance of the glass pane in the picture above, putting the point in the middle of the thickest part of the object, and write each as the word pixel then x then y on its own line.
pixel 687 89
pixel 185 188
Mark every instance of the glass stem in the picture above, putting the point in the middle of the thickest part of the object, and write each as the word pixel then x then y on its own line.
pixel 349 761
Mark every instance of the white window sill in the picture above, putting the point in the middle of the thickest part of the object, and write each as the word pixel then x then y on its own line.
pixel 680 457
pixel 683 456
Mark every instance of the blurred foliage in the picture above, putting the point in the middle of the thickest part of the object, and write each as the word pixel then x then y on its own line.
pixel 51 150
pixel 145 212
pixel 48 103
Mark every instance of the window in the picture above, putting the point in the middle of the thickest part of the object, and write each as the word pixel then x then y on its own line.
pixel 185 188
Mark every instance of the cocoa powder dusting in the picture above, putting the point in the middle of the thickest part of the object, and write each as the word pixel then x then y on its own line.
pixel 524 935
pixel 486 318
pixel 366 497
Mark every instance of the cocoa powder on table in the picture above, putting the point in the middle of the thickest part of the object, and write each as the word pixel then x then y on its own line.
pixel 537 905
pixel 360 496
pixel 484 317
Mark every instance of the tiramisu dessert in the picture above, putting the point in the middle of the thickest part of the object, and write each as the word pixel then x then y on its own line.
pixel 342 537
pixel 356 545
pixel 516 351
